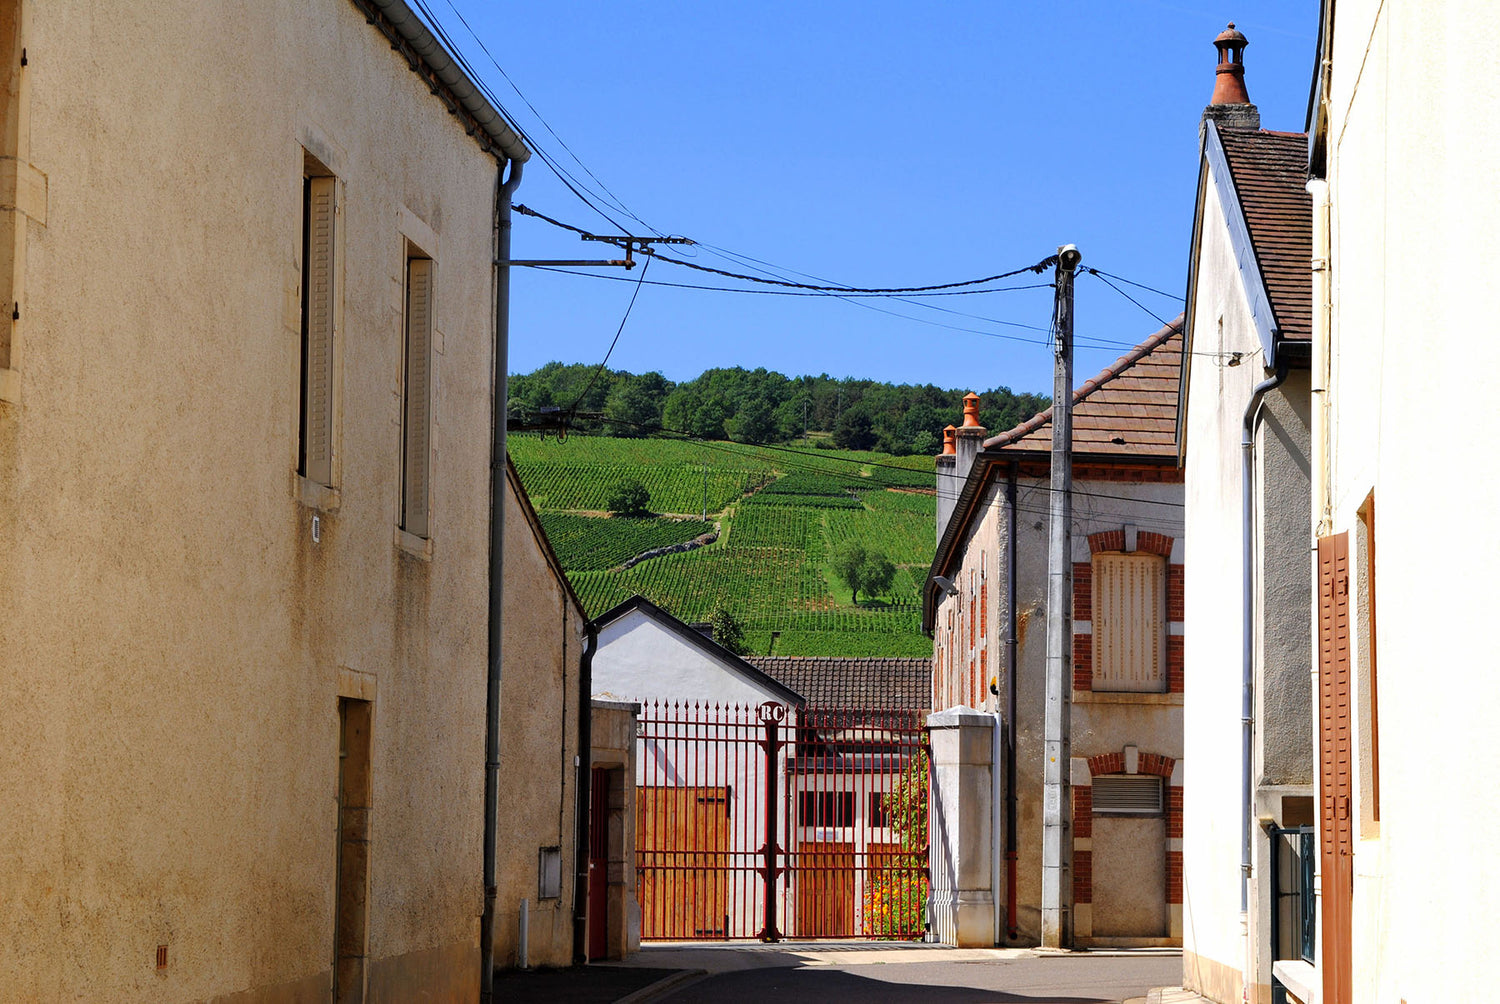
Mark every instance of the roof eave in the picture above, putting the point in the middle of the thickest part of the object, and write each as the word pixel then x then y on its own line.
pixel 443 75
pixel 1248 265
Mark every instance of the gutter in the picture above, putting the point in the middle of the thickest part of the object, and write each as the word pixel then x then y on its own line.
pixel 429 60
pixel 583 811
pixel 504 189
pixel 1247 614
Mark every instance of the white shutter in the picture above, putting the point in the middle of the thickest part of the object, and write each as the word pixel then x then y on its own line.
pixel 417 417
pixel 1129 622
pixel 317 334
pixel 1139 794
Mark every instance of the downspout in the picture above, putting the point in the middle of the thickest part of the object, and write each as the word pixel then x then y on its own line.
pixel 504 189
pixel 1011 929
pixel 585 796
pixel 1322 305
pixel 1247 620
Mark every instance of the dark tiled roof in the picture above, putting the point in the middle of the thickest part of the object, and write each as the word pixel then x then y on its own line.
pixel 866 684
pixel 1270 175
pixel 1133 401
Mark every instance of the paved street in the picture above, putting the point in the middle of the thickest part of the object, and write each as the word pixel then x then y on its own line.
pixel 881 972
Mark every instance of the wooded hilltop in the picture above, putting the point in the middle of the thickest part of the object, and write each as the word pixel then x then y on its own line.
pixel 761 406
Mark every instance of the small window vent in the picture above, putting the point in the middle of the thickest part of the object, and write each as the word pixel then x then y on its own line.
pixel 1138 794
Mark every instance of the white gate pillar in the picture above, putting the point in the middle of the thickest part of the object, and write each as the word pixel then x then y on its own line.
pixel 961 901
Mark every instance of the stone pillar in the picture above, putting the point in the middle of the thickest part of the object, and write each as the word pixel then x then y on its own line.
pixel 962 899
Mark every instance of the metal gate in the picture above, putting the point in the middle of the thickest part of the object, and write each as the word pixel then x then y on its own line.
pixel 775 822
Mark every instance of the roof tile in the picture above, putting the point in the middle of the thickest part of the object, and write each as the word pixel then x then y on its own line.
pixel 1270 175
pixel 1134 401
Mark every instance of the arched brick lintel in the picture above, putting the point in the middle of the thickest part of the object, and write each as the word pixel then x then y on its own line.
pixel 1149 763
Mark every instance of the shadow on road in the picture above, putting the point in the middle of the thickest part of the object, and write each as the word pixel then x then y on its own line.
pixel 828 986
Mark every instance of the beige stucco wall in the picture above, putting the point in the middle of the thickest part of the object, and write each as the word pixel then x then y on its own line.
pixel 1101 723
pixel 543 642
pixel 1215 958
pixel 1412 144
pixel 174 643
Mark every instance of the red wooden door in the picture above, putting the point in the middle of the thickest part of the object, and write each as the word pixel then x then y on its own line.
pixel 598 904
pixel 1336 767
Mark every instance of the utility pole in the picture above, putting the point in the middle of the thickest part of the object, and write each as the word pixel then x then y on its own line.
pixel 1057 914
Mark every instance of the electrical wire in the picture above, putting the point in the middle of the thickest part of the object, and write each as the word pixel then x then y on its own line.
pixel 796 292
pixel 573 408
pixel 1037 268
pixel 1132 282
pixel 1100 276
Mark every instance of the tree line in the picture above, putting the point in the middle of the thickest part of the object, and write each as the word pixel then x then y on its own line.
pixel 762 406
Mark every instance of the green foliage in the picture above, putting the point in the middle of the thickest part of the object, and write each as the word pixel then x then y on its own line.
pixel 861 568
pixel 594 543
pixel 629 498
pixel 854 430
pixel 761 406
pixel 727 630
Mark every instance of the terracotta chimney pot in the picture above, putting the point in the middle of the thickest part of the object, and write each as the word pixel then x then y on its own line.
pixel 971 410
pixel 1229 75
pixel 949 449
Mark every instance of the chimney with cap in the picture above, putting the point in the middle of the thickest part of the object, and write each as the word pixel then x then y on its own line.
pixel 968 438
pixel 1230 106
pixel 947 484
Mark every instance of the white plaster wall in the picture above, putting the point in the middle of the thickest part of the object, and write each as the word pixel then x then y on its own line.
pixel 640 660
pixel 1416 242
pixel 173 641
pixel 1213 947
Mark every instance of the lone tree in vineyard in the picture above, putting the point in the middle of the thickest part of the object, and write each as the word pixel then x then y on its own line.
pixel 630 498
pixel 860 569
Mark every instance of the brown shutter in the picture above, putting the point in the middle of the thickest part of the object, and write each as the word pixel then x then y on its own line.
pixel 416 421
pixel 1129 623
pixel 318 315
pixel 1335 778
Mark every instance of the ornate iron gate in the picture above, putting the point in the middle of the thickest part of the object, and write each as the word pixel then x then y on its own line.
pixel 776 822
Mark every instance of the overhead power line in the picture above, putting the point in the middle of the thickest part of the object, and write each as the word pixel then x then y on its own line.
pixel 1039 267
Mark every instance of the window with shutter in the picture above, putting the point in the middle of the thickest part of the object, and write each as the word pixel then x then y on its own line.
pixel 1129 622
pixel 319 292
pixel 416 418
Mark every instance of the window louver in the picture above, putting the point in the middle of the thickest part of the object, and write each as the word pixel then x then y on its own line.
pixel 1134 793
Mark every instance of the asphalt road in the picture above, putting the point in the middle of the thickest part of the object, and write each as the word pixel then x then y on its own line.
pixel 929 976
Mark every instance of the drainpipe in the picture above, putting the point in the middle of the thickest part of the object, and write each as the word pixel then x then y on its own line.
pixel 1011 929
pixel 504 189
pixel 583 812
pixel 1247 620
pixel 1322 304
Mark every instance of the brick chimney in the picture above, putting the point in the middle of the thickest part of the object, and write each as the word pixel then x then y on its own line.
pixel 968 438
pixel 947 484
pixel 1230 106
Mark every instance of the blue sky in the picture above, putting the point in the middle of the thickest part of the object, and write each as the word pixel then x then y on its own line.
pixel 872 144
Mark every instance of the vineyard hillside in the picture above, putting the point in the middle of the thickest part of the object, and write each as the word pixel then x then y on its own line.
pixel 747 529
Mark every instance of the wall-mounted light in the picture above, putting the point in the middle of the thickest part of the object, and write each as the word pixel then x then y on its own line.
pixel 945 584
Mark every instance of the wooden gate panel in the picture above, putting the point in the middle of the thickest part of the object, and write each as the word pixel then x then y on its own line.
pixel 682 844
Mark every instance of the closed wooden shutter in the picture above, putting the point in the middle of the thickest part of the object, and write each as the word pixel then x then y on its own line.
pixel 1335 780
pixel 1129 622
pixel 318 313
pixel 417 419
